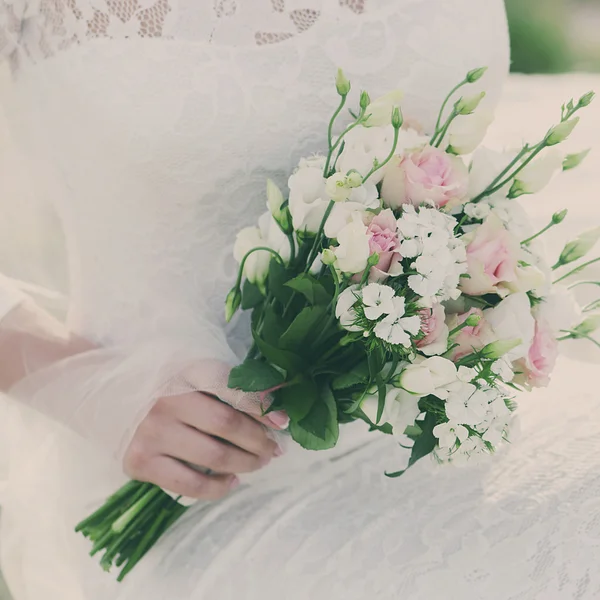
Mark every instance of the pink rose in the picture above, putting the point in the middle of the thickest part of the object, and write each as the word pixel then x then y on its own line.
pixel 433 325
pixel 492 259
pixel 384 241
pixel 535 369
pixel 469 339
pixel 425 176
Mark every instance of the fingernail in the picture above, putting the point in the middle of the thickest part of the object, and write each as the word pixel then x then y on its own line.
pixel 279 419
pixel 235 482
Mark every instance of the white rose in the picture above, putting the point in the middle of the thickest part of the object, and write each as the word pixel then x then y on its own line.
pixel 257 264
pixel 512 320
pixel 379 112
pixel 308 199
pixel 560 309
pixel 538 173
pixel 353 251
pixel 467 132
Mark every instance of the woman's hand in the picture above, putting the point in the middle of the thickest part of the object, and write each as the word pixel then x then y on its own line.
pixel 198 429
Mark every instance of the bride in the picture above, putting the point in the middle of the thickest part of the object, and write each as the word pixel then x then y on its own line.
pixel 150 127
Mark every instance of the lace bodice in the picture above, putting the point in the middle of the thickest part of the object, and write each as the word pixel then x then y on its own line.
pixel 40 28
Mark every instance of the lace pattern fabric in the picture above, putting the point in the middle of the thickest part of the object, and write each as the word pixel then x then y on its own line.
pixel 40 28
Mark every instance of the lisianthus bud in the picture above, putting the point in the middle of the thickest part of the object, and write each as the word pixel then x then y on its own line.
pixel 342 84
pixel 397 118
pixel 559 217
pixel 579 247
pixel 337 188
pixel 591 324
pixel 476 74
pixel 232 303
pixel 587 99
pixel 574 160
pixel 328 257
pixel 561 132
pixel 354 179
pixel 498 349
pixel 473 320
pixel 380 111
pixel 365 100
pixel 274 199
pixel 468 105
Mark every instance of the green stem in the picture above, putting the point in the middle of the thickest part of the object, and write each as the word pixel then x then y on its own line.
pixel 537 235
pixel 577 270
pixel 573 335
pixel 389 157
pixel 336 114
pixel 578 283
pixel 519 168
pixel 441 113
pixel 318 239
pixel 119 525
pixel 492 187
pixel 445 128
pixel 333 148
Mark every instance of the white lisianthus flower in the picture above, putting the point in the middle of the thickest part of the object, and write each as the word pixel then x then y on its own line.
pixel 560 309
pixel 512 320
pixel 538 173
pixel 400 411
pixel 352 254
pixel 485 167
pixel 361 198
pixel 378 300
pixel 344 309
pixel 379 112
pixel 449 434
pixel 337 188
pixel 479 211
pixel 256 267
pixel 273 236
pixel 467 132
pixel 396 328
pixel 308 199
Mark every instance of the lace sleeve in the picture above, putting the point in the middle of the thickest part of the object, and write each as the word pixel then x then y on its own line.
pixel 11 18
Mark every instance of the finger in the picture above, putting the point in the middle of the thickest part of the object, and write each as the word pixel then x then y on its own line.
pixel 218 419
pixel 211 377
pixel 197 448
pixel 180 479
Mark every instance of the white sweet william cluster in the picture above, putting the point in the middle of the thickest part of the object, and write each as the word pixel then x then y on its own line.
pixel 427 236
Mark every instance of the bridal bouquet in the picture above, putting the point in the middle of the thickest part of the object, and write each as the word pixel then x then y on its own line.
pixel 398 283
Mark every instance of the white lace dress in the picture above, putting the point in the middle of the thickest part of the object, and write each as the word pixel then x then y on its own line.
pixel 151 126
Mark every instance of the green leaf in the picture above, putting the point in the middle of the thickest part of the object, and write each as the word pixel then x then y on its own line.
pixel 278 277
pixel 376 361
pixel 254 376
pixel 297 400
pixel 302 328
pixel 310 288
pixel 251 295
pixel 319 429
pixel 359 375
pixel 289 361
pixel 426 442
pixel 413 431
pixel 272 327
pixel 381 393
